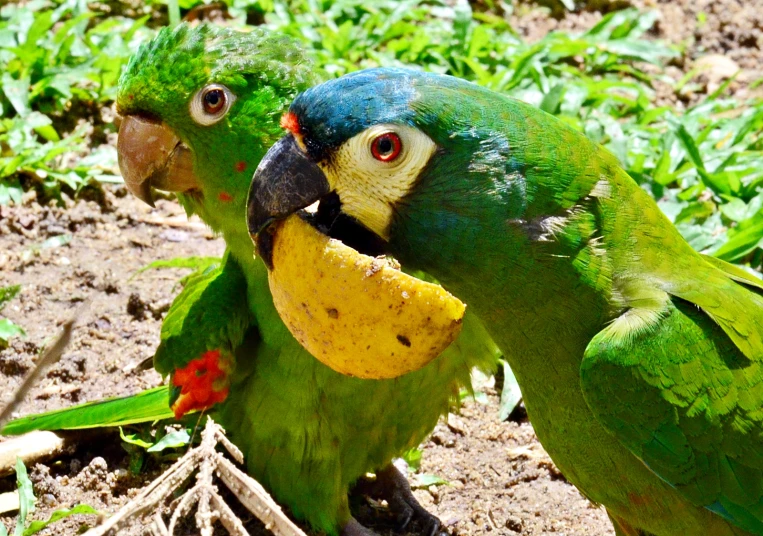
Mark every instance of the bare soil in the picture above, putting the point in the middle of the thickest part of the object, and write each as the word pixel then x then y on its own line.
pixel 500 480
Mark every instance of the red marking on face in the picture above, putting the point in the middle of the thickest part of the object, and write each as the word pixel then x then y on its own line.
pixel 241 166
pixel 290 122
pixel 203 383
pixel 132 97
pixel 225 197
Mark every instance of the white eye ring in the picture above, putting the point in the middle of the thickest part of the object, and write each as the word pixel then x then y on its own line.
pixel 210 104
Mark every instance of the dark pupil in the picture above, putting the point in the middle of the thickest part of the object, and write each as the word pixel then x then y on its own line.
pixel 385 146
pixel 213 99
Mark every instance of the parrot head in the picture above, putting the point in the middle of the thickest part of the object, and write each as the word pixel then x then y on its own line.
pixel 200 106
pixel 403 162
pixel 450 178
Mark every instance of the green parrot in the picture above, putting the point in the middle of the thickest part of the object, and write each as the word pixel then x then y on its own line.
pixel 640 361
pixel 200 108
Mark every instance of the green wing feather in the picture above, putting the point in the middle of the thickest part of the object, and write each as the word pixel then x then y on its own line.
pixel 147 406
pixel 208 314
pixel 682 387
pixel 734 272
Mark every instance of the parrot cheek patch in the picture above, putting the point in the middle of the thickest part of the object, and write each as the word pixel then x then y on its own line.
pixel 371 178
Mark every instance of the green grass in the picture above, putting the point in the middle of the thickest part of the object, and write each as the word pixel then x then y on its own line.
pixel 27 500
pixel 8 329
pixel 704 165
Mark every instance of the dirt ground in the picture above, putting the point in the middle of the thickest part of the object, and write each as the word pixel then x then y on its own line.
pixel 500 479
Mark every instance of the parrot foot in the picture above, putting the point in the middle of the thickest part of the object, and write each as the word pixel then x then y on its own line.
pixel 392 486
pixel 353 528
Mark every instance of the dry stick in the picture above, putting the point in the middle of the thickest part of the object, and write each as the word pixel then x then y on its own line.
pixel 211 505
pixel 31 448
pixel 36 445
pixel 48 357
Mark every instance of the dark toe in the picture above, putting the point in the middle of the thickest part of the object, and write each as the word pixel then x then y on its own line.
pixel 353 528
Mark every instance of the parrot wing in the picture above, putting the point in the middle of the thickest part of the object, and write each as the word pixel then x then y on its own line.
pixel 147 406
pixel 211 313
pixel 678 379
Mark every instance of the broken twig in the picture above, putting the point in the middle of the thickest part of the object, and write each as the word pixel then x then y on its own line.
pixel 51 355
pixel 211 506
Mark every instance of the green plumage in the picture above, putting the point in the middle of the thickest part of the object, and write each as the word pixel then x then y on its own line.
pixel 640 360
pixel 307 432
pixel 210 300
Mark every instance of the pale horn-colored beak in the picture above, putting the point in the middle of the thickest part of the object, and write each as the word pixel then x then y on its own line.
pixel 152 156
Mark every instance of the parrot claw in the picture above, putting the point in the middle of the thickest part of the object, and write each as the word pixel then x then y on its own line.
pixel 392 486
pixel 354 528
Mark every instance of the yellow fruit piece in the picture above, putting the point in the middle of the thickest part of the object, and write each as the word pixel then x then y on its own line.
pixel 355 313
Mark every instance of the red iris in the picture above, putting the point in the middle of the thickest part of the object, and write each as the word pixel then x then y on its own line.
pixel 386 147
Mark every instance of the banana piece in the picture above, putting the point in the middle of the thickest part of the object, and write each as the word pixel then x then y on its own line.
pixel 357 314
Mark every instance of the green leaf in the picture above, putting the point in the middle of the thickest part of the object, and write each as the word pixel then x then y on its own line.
pixel 552 99
pixel 173 440
pixel 8 293
pixel 735 209
pixel 7 330
pixel 9 192
pixel 510 394
pixel 413 458
pixel 741 243
pixel 133 439
pixel 17 92
pixel 26 497
pixel 695 211
pixel 691 147
pixel 147 406
pixel 195 263
pixel 481 398
pixel 425 480
pixel 56 241
pixel 36 526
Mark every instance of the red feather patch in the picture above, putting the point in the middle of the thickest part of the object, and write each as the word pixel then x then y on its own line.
pixel 203 383
pixel 290 122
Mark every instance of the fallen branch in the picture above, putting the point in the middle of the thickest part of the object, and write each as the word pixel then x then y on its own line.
pixel 50 356
pixel 211 506
pixel 35 446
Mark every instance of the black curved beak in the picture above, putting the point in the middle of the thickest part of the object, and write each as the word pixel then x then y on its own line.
pixel 286 181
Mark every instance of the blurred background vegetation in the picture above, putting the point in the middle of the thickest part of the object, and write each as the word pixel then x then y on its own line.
pixel 699 154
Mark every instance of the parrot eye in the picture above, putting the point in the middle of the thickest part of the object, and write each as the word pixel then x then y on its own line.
pixel 214 100
pixel 386 147
pixel 211 103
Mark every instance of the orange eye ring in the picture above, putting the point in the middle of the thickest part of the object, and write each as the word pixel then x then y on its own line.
pixel 386 147
pixel 214 100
